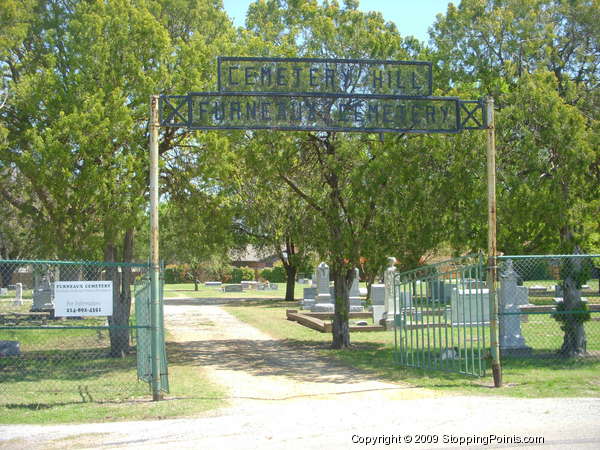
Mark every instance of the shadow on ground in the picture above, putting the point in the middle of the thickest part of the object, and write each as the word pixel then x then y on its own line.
pixel 295 360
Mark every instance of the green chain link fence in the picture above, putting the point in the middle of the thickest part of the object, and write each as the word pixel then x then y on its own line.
pixel 549 309
pixel 60 341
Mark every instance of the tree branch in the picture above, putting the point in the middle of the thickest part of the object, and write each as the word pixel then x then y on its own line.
pixel 301 194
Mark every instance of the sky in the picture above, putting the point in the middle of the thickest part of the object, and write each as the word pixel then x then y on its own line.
pixel 412 17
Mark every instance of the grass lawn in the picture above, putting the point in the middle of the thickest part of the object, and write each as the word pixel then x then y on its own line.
pixel 66 376
pixel 536 377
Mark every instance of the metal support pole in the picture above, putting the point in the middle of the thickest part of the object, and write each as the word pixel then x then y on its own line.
pixel 154 257
pixel 491 278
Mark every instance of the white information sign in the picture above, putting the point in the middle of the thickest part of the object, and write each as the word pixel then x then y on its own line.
pixel 83 298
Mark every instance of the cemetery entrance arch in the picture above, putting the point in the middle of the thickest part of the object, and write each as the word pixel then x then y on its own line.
pixel 327 95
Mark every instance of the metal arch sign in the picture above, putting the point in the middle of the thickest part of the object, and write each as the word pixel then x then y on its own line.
pixel 325 76
pixel 304 94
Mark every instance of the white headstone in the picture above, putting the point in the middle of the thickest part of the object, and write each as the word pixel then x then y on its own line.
pixel 511 297
pixel 388 281
pixel 323 293
pixel 18 294
pixel 470 307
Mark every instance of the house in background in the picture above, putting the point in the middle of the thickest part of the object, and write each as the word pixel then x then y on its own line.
pixel 252 257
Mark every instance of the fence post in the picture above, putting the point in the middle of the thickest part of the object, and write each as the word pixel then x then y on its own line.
pixel 491 278
pixel 154 257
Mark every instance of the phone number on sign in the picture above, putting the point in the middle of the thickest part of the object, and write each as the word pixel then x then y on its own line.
pixel 84 310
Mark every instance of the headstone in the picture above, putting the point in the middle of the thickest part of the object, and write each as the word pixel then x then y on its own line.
pixel 511 297
pixel 213 283
pixel 377 302
pixel 313 279
pixel 18 294
pixel 232 288
pixel 558 291
pixel 378 294
pixel 249 284
pixel 9 348
pixel 388 281
pixel 323 291
pixel 538 289
pixel 470 307
pixel 273 286
pixel 362 323
pixel 308 299
pixel 354 294
pixel 42 293
pixel 323 307
pixel 3 291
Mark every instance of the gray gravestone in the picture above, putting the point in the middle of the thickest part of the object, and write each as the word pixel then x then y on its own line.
pixel 354 294
pixel 232 288
pixel 511 297
pixel 9 348
pixel 18 294
pixel 42 293
pixel 470 307
pixel 377 302
pixel 388 281
pixel 323 291
pixel 308 299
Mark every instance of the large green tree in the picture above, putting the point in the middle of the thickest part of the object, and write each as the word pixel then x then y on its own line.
pixel 80 75
pixel 540 59
pixel 348 181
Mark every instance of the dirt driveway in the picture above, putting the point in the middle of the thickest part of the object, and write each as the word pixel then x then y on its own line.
pixel 289 397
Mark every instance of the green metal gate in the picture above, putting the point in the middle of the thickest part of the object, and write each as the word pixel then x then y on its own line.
pixel 442 316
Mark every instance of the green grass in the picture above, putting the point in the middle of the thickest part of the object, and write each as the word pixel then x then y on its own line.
pixel 66 376
pixel 534 377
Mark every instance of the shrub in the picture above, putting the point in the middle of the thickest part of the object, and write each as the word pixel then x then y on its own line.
pixel 241 273
pixel 265 274
pixel 175 274
pixel 275 275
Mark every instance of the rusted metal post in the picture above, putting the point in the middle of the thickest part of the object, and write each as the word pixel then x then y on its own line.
pixel 491 278
pixel 154 256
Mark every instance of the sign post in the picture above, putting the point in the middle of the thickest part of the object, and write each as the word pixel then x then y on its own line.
pixel 492 270
pixel 155 304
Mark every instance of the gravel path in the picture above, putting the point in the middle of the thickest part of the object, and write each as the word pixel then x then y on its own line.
pixel 289 397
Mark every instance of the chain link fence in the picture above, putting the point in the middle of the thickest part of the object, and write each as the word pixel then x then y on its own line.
pixel 549 310
pixel 67 335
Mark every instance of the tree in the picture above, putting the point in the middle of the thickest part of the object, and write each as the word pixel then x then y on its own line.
pixel 268 213
pixel 540 61
pixel 346 179
pixel 80 76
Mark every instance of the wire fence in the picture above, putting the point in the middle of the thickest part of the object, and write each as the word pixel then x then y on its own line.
pixel 67 335
pixel 549 310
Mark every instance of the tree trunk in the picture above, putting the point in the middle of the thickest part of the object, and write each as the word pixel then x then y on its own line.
pixel 290 284
pixel 340 327
pixel 574 340
pixel 6 273
pixel 119 336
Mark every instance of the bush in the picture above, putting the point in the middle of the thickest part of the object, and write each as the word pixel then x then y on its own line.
pixel 275 275
pixel 265 274
pixel 239 274
pixel 175 274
